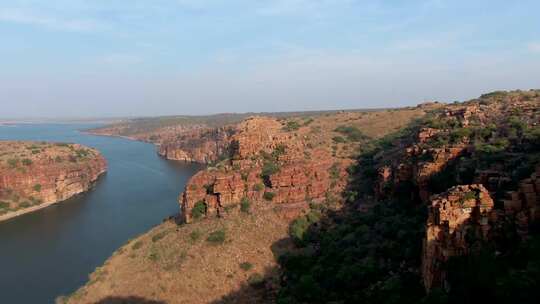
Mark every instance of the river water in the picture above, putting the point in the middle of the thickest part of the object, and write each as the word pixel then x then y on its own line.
pixel 50 252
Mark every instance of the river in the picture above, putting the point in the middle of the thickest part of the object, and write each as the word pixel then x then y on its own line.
pixel 50 252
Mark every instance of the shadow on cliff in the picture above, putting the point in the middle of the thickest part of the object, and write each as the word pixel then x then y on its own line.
pixel 128 300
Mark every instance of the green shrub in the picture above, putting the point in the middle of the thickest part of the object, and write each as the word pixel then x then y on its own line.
pixel 291 125
pixel 82 153
pixel 58 159
pixel 13 162
pixel 217 237
pixel 339 139
pixel 278 151
pixel 4 205
pixel 246 266
pixel 256 280
pixel 307 121
pixel 158 236
pixel 25 205
pixel 258 187
pixel 245 205
pixel 199 210
pixel 352 133
pixel 269 168
pixel 27 162
pixel 195 235
pixel 334 171
pixel 298 228
pixel 37 187
pixel 459 134
pixel 137 245
pixel 269 196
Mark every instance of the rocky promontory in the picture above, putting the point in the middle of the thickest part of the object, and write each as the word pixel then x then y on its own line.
pixel 34 175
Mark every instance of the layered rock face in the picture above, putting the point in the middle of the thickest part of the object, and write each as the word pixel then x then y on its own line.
pixel 201 145
pixel 34 175
pixel 456 219
pixel 477 152
pixel 266 163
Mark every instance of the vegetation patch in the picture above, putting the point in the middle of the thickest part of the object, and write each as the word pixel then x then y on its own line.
pixel 352 133
pixel 137 245
pixel 199 210
pixel 245 205
pixel 158 236
pixel 246 266
pixel 217 237
pixel 269 196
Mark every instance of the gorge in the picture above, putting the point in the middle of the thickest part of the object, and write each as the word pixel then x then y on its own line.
pixel 304 209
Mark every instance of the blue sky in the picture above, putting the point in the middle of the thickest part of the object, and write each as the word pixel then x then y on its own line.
pixel 76 58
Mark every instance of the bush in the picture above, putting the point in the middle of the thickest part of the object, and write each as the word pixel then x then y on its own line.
pixel 245 205
pixel 352 133
pixel 199 210
pixel 246 266
pixel 291 126
pixel 58 159
pixel 27 162
pixel 339 139
pixel 298 229
pixel 137 245
pixel 256 280
pixel 269 196
pixel 258 187
pixel 217 237
pixel 13 162
pixel 278 151
pixel 37 187
pixel 158 236
pixel 4 205
pixel 195 235
pixel 334 171
pixel 269 168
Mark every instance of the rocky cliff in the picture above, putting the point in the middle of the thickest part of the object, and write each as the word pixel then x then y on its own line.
pixel 34 175
pixel 266 162
pixel 288 162
pixel 469 163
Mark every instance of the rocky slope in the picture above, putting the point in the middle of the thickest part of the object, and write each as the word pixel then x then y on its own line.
pixel 287 162
pixel 444 211
pixel 34 175
pixel 300 160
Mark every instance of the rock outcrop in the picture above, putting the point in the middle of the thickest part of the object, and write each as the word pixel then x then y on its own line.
pixel 269 163
pixel 201 145
pixel 456 219
pixel 35 175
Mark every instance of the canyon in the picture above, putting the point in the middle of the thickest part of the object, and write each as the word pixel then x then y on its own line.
pixel 366 201
pixel 34 175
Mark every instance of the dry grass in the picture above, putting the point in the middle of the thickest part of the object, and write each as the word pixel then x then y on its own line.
pixel 177 264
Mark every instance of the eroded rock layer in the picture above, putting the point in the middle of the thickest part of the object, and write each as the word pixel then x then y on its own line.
pixel 34 175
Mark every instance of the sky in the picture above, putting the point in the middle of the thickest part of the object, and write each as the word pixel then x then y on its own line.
pixel 107 58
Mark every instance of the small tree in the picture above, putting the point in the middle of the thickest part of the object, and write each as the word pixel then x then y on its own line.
pixel 217 237
pixel 199 210
pixel 245 205
pixel 269 196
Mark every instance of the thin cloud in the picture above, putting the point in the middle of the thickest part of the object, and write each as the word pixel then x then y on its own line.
pixel 534 47
pixel 33 19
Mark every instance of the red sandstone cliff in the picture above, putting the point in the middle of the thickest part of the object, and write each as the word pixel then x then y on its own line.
pixel 481 146
pixel 269 163
pixel 35 175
